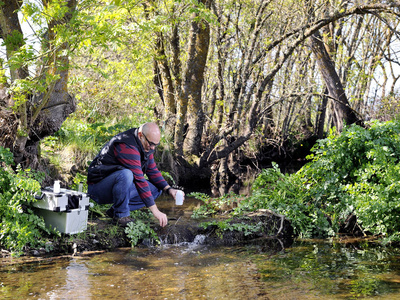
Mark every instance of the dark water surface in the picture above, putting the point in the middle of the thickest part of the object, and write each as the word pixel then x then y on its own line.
pixel 308 270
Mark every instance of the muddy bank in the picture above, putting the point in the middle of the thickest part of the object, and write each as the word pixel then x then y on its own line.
pixel 262 227
pixel 102 235
pixel 268 229
pixel 256 227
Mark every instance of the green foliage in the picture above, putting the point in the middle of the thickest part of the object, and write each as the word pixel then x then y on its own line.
pixel 112 69
pixel 204 210
pixel 211 205
pixel 286 195
pixel 78 141
pixel 78 180
pixel 24 53
pixel 99 209
pixel 227 225
pixel 89 136
pixel 140 229
pixel 167 176
pixel 355 172
pixel 19 227
pixel 360 170
pixel 6 158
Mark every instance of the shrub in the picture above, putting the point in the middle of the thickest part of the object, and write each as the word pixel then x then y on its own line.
pixel 355 172
pixel 19 227
pixel 286 195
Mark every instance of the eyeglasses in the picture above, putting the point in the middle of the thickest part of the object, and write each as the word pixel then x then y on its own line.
pixel 150 143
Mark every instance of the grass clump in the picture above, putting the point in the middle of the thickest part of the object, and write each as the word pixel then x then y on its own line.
pixel 78 142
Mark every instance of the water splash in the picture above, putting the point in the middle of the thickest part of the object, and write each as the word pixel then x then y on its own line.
pixel 199 239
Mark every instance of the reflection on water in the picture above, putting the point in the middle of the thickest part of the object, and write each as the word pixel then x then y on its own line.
pixel 308 270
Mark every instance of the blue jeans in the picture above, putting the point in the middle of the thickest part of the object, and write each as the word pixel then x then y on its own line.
pixel 119 189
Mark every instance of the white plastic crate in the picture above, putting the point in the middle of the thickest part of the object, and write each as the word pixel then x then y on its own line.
pixel 63 201
pixel 72 221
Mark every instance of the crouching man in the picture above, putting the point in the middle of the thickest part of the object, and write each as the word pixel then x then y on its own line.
pixel 116 175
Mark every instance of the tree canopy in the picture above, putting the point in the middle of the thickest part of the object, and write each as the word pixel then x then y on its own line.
pixel 225 79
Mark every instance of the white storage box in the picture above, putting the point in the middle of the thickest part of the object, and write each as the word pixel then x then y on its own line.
pixel 72 221
pixel 63 201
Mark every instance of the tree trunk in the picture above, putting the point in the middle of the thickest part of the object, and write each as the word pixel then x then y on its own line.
pixel 335 88
pixel 38 114
pixel 168 94
pixel 321 115
pixel 193 82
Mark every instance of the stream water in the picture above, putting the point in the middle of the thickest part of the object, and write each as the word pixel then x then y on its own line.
pixel 309 269
pixel 312 269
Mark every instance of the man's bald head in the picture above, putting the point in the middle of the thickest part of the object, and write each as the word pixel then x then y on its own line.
pixel 151 128
pixel 151 134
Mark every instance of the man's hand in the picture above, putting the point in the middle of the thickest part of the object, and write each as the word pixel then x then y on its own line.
pixel 173 192
pixel 159 215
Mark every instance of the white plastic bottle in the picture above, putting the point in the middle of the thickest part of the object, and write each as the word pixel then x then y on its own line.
pixel 179 198
pixel 56 188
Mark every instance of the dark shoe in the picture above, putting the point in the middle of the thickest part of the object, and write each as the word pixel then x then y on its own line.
pixel 110 212
pixel 124 221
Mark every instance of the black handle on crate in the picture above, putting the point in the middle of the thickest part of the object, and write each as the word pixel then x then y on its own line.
pixel 37 197
pixel 73 201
